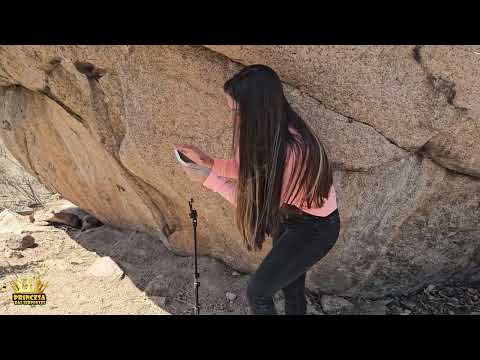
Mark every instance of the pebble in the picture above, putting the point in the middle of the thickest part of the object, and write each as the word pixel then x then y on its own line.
pixel 159 286
pixel 406 312
pixel 312 311
pixel 235 273
pixel 20 242
pixel 408 304
pixel 230 296
pixel 430 287
pixel 23 210
pixel 378 307
pixel 13 254
pixel 105 267
pixel 333 304
pixel 160 300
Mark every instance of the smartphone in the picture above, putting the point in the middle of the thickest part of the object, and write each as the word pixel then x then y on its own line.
pixel 182 158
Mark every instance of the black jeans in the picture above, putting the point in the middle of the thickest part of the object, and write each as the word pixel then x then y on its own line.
pixel 301 242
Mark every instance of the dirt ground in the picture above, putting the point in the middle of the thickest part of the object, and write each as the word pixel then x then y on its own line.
pixel 63 264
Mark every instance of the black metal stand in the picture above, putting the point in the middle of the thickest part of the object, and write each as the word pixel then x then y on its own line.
pixel 196 283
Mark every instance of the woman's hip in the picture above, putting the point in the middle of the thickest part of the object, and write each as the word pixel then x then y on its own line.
pixel 307 228
pixel 293 216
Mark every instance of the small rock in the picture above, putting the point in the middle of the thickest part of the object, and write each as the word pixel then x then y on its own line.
pixel 408 304
pixel 53 212
pixel 378 307
pixel 159 287
pixel 235 273
pixel 65 218
pixel 230 296
pixel 11 222
pixel 280 306
pixel 20 242
pixel 34 205
pixel 454 301
pixel 396 310
pixel 162 300
pixel 405 312
pixel 89 222
pixel 105 267
pixel 57 215
pixel 430 288
pixel 25 210
pixel 13 254
pixel 334 304
pixel 450 312
pixel 311 310
pixel 159 300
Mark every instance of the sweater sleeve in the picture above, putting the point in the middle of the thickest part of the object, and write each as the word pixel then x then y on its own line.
pixel 221 185
pixel 226 168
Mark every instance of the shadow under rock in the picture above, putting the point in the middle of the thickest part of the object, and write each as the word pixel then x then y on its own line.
pixel 165 277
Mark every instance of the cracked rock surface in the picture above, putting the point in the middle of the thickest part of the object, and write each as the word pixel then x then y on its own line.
pixel 97 123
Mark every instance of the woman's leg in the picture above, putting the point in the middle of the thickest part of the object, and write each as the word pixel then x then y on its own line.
pixel 295 301
pixel 294 293
pixel 297 249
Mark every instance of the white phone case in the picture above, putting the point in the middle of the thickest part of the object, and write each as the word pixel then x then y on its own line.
pixel 179 159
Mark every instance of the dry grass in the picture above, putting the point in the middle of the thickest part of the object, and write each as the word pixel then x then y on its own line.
pixel 18 187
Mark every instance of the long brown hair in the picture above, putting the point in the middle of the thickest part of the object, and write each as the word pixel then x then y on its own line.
pixel 261 131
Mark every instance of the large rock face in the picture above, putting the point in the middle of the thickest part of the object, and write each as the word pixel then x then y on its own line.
pixel 97 123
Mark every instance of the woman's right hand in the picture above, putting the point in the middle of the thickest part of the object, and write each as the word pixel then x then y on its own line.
pixel 196 155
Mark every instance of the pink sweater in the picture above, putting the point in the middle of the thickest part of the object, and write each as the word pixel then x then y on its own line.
pixel 223 170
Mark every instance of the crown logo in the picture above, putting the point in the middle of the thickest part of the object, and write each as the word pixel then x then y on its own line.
pixel 31 285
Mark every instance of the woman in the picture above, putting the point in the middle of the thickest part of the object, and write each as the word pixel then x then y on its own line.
pixel 284 187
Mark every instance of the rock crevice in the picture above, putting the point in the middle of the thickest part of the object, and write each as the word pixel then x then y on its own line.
pixel 443 86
